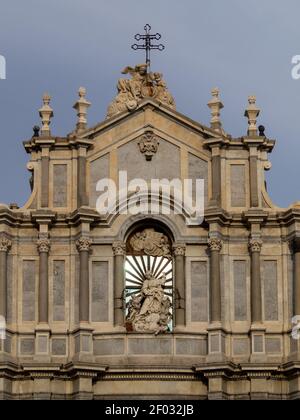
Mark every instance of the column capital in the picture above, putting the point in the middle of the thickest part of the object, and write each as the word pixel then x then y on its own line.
pixel 83 244
pixel 215 244
pixel 43 245
pixel 255 245
pixel 119 248
pixel 5 244
pixel 179 249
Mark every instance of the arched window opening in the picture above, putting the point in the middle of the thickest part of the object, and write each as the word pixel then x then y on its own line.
pixel 149 282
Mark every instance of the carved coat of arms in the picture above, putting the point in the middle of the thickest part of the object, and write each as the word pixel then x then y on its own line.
pixel 148 144
pixel 141 85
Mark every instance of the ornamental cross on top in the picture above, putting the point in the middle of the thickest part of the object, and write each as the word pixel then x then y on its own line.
pixel 147 45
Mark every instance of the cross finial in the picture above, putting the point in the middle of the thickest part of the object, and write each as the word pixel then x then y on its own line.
pixel 147 45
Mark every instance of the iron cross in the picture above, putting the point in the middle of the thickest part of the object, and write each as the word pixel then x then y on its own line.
pixel 147 45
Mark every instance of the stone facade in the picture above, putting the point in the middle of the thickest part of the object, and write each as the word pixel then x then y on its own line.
pixel 236 276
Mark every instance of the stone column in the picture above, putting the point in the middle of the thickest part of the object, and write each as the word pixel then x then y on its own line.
pixel 5 245
pixel 256 298
pixel 43 245
pixel 83 246
pixel 179 254
pixel 296 248
pixel 215 246
pixel 119 250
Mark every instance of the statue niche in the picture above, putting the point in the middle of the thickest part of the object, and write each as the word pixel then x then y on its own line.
pixel 149 283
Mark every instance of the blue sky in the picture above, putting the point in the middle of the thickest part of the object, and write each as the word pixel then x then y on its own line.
pixel 243 47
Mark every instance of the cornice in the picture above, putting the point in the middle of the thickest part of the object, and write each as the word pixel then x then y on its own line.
pixel 156 107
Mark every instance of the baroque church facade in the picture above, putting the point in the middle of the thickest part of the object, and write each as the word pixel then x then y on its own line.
pixel 144 304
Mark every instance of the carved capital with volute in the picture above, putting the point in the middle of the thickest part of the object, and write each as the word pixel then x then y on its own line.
pixel 179 249
pixel 83 244
pixel 215 244
pixel 119 248
pixel 5 244
pixel 255 245
pixel 43 245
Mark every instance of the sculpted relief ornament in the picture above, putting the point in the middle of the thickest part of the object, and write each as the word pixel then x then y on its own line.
pixel 141 85
pixel 150 309
pixel 151 243
pixel 148 144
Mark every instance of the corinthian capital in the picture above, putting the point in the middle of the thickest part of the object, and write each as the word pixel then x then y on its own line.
pixel 5 244
pixel 119 248
pixel 43 245
pixel 255 245
pixel 215 244
pixel 179 249
pixel 83 244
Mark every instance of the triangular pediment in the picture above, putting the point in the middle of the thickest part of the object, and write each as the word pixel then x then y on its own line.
pixel 149 114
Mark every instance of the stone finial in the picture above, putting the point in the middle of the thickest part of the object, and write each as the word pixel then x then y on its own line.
pixel 83 244
pixel 46 113
pixel 81 107
pixel 215 106
pixel 5 244
pixel 119 248
pixel 252 113
pixel 43 245
pixel 215 244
